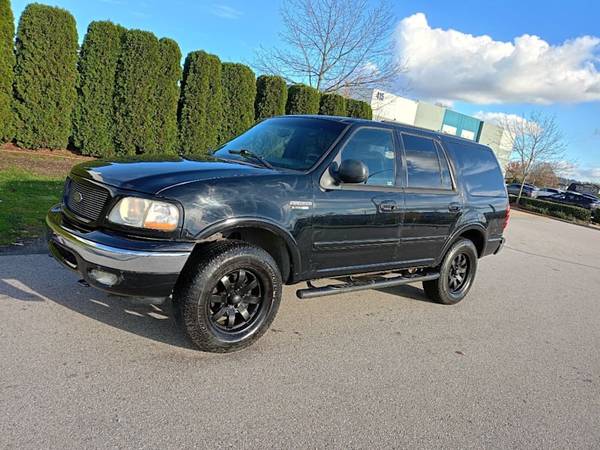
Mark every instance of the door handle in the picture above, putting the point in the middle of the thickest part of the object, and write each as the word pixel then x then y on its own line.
pixel 388 206
pixel 454 207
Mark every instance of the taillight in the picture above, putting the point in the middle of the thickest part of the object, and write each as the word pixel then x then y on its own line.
pixel 506 218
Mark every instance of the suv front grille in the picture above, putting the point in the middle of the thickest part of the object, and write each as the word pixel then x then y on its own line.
pixel 85 199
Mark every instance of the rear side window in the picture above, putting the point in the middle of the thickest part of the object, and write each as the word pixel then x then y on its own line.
pixel 478 167
pixel 426 165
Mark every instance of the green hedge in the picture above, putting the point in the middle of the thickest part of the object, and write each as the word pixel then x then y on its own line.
pixel 596 216
pixel 201 103
pixel 271 97
pixel 93 121
pixel 559 210
pixel 7 63
pixel 136 123
pixel 302 99
pixel 45 76
pixel 332 105
pixel 239 91
pixel 167 97
pixel 358 109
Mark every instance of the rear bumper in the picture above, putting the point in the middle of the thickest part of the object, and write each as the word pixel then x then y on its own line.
pixel 138 268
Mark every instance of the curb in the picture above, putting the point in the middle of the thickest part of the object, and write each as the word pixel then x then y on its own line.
pixel 585 225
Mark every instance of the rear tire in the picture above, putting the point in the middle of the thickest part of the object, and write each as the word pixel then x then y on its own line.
pixel 228 296
pixel 457 273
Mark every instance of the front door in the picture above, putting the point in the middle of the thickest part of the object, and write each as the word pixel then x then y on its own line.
pixel 356 227
pixel 432 203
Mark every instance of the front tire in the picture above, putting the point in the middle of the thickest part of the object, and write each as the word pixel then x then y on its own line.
pixel 228 296
pixel 457 273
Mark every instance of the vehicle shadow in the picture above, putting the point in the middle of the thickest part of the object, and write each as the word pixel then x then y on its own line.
pixel 40 282
pixel 407 291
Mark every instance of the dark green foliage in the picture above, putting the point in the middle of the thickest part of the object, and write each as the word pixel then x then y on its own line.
pixel 7 63
pixel 167 97
pixel 93 121
pixel 302 99
pixel 201 103
pixel 332 105
pixel 559 210
pixel 358 109
pixel 239 91
pixel 271 97
pixel 136 126
pixel 45 77
pixel 596 215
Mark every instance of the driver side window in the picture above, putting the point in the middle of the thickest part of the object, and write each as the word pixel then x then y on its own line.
pixel 375 148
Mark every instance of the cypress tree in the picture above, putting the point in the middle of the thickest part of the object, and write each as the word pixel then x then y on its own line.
pixel 302 99
pixel 45 76
pixel 93 123
pixel 167 96
pixel 201 103
pixel 358 109
pixel 239 92
pixel 138 70
pixel 271 96
pixel 332 105
pixel 7 63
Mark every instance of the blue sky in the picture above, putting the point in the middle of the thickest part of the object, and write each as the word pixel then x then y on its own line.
pixel 232 29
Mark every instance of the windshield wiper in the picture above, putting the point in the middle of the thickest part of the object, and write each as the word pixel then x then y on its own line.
pixel 251 155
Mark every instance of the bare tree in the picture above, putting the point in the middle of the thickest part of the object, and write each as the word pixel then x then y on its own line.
pixel 536 139
pixel 334 45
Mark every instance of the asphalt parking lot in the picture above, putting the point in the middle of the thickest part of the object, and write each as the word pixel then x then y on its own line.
pixel 517 364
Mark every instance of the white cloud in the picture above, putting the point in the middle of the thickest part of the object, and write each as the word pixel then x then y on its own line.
pixel 225 12
pixel 576 172
pixel 497 118
pixel 451 64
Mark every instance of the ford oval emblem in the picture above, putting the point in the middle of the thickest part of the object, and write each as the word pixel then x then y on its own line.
pixel 77 197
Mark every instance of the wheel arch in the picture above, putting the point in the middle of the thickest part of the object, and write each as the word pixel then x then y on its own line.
pixel 271 237
pixel 475 232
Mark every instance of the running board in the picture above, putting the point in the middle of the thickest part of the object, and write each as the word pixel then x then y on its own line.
pixel 361 285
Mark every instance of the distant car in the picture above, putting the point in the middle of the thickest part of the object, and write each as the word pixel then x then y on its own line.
pixel 529 190
pixel 585 188
pixel 575 199
pixel 547 192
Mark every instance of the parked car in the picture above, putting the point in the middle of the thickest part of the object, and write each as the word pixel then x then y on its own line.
pixel 575 199
pixel 547 192
pixel 529 190
pixel 293 199
pixel 585 188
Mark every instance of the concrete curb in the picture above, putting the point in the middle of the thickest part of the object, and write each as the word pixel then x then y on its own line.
pixel 585 225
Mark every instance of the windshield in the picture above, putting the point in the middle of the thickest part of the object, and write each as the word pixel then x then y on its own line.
pixel 287 142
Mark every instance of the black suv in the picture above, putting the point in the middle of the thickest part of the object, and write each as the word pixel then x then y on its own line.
pixel 297 198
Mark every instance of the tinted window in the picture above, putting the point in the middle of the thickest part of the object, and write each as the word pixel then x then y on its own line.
pixel 478 168
pixel 375 148
pixel 293 143
pixel 425 168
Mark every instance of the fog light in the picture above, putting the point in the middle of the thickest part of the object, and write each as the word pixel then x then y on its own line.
pixel 102 277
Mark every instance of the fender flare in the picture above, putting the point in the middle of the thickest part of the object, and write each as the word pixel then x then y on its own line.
pixel 256 222
pixel 466 227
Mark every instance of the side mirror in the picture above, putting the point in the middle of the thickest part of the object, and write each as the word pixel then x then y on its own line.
pixel 351 171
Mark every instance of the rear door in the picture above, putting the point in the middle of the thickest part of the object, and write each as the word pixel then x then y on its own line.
pixel 356 227
pixel 432 202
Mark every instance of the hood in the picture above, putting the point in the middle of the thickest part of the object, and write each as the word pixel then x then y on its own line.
pixel 150 177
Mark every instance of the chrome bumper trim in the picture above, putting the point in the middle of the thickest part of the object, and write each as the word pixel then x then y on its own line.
pixel 112 257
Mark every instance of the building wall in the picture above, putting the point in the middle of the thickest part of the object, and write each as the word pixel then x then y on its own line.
pixel 388 106
pixel 496 138
pixel 429 116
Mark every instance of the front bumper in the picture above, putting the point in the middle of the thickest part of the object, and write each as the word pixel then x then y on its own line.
pixel 140 267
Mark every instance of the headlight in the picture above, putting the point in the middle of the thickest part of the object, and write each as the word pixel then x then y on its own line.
pixel 143 213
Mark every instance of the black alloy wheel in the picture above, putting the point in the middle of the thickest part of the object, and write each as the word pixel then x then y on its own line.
pixel 235 301
pixel 458 275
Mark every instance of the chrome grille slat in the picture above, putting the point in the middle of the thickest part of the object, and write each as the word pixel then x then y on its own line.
pixel 92 199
